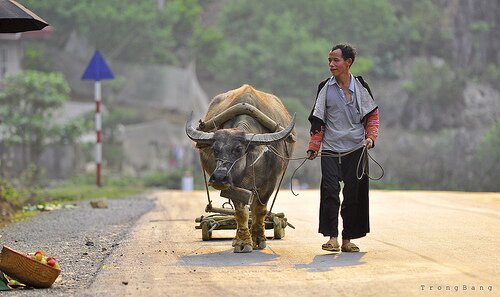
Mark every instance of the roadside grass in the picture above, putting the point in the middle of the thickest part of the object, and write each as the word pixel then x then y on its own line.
pixel 23 215
pixel 18 203
pixel 53 198
pixel 74 192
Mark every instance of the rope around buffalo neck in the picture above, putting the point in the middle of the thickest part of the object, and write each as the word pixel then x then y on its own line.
pixel 226 161
pixel 327 155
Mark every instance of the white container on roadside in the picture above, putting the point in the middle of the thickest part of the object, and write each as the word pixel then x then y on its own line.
pixel 187 182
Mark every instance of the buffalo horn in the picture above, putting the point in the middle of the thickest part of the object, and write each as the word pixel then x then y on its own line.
pixel 268 138
pixel 195 135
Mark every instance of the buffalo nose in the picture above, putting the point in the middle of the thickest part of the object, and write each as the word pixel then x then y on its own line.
pixel 219 180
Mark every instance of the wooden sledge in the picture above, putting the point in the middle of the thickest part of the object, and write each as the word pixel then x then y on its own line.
pixel 223 219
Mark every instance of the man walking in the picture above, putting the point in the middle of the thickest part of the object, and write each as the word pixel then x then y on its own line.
pixel 344 120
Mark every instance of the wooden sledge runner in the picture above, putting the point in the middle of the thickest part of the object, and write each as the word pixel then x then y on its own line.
pixel 223 219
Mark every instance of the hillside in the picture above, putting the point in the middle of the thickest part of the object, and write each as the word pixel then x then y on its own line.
pixel 433 65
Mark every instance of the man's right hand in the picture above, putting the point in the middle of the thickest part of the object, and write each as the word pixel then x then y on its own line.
pixel 315 143
pixel 311 155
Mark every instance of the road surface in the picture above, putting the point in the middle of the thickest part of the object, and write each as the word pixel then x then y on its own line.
pixel 421 244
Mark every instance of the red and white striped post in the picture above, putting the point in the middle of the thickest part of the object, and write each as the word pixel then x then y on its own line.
pixel 98 130
pixel 97 70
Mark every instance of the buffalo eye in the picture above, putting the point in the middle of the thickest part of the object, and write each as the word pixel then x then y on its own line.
pixel 238 150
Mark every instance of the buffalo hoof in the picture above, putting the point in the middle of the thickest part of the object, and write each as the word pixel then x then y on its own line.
pixel 260 246
pixel 243 248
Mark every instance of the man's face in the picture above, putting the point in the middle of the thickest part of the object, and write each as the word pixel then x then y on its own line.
pixel 338 66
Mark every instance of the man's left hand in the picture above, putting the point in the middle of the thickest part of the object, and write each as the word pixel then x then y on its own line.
pixel 368 143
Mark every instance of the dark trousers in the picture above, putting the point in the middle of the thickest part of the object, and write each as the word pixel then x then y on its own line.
pixel 354 207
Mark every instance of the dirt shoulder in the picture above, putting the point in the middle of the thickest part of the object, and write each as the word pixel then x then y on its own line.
pixel 80 238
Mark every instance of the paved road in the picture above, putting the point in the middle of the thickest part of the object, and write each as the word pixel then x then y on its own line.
pixel 422 244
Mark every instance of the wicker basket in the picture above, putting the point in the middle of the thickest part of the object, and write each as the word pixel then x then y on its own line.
pixel 26 270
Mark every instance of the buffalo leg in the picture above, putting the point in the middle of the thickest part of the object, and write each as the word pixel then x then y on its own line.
pixel 242 242
pixel 259 212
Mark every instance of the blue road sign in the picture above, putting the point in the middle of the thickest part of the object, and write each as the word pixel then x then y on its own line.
pixel 97 69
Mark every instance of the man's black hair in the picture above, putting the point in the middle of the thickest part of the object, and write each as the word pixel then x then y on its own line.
pixel 348 51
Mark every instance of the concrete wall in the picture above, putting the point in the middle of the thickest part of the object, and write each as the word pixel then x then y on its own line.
pixel 10 57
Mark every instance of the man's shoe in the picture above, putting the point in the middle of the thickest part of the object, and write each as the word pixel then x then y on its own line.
pixel 350 248
pixel 331 245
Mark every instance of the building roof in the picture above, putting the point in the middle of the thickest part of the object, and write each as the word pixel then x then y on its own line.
pixel 40 34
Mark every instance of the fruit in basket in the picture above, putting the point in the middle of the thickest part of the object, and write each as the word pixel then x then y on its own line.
pixel 42 252
pixel 41 257
pixel 25 269
pixel 38 257
pixel 51 261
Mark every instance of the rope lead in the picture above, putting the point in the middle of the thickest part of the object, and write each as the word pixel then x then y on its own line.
pixel 339 155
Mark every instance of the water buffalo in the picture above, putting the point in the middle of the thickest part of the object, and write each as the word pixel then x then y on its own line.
pixel 236 140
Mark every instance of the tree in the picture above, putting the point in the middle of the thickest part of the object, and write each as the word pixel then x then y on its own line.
pixel 279 46
pixel 27 104
pixel 489 158
pixel 282 46
pixel 436 97
pixel 129 30
pixel 422 29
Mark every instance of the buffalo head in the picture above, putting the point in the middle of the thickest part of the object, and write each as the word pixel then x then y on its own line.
pixel 229 147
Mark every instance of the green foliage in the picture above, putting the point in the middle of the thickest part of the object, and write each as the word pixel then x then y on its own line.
pixel 73 192
pixel 27 106
pixel 72 130
pixel 165 179
pixel 161 179
pixel 490 147
pixel 12 198
pixel 436 96
pixel 34 58
pixel 492 75
pixel 205 45
pixel 120 115
pixel 415 33
pixel 282 46
pixel 295 105
pixel 9 201
pixel 362 66
pixel 8 192
pixel 82 187
pixel 480 27
pixel 113 155
pixel 128 30
pixel 430 82
pixel 32 175
pixel 489 158
pixel 369 25
pixel 279 46
pixel 33 93
pixel 28 102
